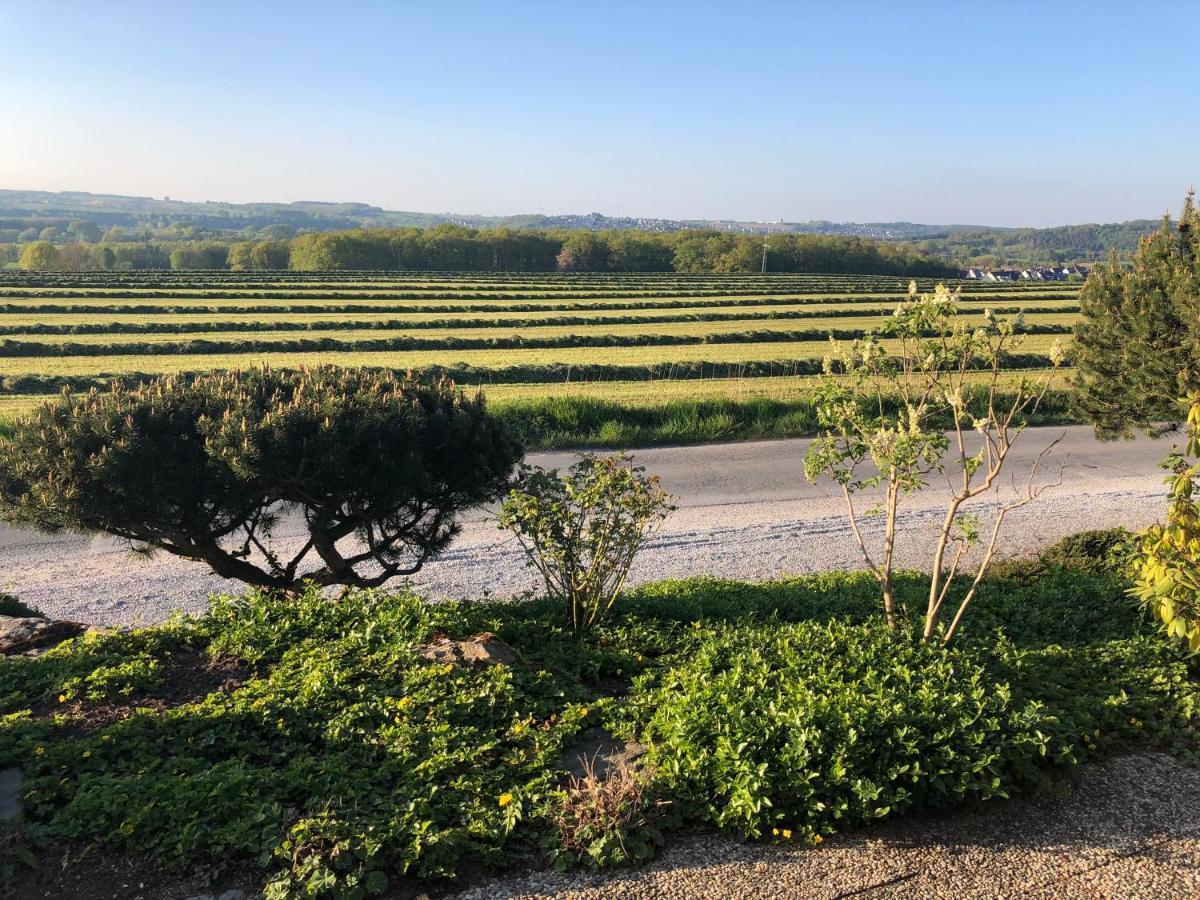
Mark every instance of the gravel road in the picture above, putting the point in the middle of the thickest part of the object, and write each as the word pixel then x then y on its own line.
pixel 1130 830
pixel 745 511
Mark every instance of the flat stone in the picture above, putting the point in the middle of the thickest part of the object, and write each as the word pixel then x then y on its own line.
pixel 10 795
pixel 478 652
pixel 22 634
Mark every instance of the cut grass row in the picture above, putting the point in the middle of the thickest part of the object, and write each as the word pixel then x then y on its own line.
pixel 85 323
pixel 529 334
pixel 135 303
pixel 541 281
pixel 634 356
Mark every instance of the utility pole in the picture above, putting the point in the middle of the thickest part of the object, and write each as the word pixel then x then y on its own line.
pixel 764 264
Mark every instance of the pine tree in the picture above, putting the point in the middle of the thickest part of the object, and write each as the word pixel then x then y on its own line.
pixel 1138 345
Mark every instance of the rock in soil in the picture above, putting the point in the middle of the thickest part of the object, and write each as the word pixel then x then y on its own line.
pixel 478 652
pixel 26 634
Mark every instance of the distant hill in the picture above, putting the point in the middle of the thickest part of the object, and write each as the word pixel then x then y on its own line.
pixel 22 213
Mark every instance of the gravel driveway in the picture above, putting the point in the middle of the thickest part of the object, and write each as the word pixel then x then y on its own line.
pixel 745 512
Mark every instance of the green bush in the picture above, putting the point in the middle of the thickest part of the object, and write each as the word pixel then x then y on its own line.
pixel 337 760
pixel 582 530
pixel 765 730
pixel 203 466
pixel 1096 550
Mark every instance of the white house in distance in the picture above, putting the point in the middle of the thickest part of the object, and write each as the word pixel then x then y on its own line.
pixel 1033 273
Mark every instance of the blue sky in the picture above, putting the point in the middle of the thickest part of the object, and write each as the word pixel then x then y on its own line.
pixel 990 113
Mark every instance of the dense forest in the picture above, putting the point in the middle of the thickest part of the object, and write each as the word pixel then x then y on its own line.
pixel 995 247
pixel 456 248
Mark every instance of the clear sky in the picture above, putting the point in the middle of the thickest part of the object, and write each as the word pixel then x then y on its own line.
pixel 965 112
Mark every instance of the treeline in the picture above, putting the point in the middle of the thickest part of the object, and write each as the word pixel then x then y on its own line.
pixel 455 248
pixel 999 247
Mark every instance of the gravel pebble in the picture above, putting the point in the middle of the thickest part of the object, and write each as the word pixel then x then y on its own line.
pixel 745 512
pixel 1131 829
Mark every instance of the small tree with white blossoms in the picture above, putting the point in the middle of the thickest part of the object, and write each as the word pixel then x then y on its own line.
pixel 904 404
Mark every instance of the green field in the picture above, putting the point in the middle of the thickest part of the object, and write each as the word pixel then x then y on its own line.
pixel 635 340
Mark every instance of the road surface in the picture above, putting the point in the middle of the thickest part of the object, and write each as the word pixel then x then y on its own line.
pixel 744 511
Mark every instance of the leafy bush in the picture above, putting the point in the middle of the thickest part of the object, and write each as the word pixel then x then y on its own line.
pixel 583 531
pixel 203 466
pixel 338 761
pixel 763 729
pixel 1166 564
pixel 1098 550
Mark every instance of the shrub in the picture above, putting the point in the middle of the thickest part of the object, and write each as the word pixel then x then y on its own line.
pixel 762 730
pixel 1166 563
pixel 582 532
pixel 203 467
pixel 1096 550
pixel 933 352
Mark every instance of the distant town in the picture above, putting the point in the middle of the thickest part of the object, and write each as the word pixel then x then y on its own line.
pixel 1033 273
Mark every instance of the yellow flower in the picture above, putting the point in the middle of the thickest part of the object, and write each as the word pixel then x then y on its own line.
pixel 583 712
pixel 775 831
pixel 506 798
pixel 62 698
pixel 787 834
pixel 817 839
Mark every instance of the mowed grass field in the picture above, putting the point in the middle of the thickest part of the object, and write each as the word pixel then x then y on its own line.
pixel 631 339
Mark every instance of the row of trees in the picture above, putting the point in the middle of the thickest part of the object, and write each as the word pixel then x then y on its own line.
pixel 455 248
pixel 43 256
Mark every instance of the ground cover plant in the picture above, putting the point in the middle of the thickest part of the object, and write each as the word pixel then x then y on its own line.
pixel 309 742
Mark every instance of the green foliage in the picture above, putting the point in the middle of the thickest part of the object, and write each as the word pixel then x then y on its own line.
pixel 582 531
pixel 347 756
pixel 1138 346
pixel 891 413
pixel 339 761
pixel 203 466
pixel 1166 564
pixel 1099 550
pixel 766 729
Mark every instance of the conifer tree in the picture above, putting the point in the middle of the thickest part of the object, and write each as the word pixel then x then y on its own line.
pixel 1138 345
